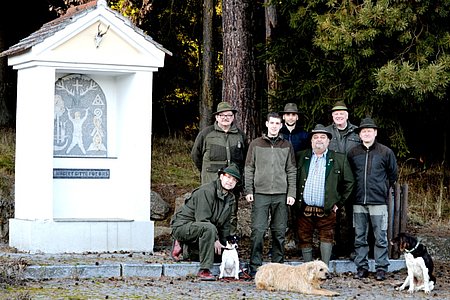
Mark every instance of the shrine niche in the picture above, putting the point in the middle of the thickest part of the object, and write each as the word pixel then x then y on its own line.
pixel 83 122
pixel 80 118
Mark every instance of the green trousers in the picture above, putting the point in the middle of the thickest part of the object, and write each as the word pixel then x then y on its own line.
pixel 263 206
pixel 202 233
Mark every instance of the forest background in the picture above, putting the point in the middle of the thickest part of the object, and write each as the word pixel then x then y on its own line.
pixel 384 59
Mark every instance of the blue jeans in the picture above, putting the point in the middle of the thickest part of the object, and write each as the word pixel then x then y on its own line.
pixel 378 216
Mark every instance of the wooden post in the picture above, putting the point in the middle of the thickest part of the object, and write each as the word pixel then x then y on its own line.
pixel 404 208
pixel 390 221
pixel 397 210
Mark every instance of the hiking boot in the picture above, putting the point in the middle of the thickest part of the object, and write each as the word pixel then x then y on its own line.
pixel 362 273
pixel 381 275
pixel 177 250
pixel 205 275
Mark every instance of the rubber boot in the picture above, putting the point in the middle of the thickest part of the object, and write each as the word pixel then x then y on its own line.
pixel 325 252
pixel 307 254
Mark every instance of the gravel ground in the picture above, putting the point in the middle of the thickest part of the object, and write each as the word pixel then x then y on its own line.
pixel 191 288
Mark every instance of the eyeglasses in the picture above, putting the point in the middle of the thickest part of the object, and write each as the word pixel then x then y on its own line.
pixel 223 116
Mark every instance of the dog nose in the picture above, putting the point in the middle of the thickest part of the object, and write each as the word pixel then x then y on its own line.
pixel 328 275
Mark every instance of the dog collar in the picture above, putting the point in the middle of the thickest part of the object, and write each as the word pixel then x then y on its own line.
pixel 412 250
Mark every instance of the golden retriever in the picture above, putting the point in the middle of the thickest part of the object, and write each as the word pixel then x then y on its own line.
pixel 304 278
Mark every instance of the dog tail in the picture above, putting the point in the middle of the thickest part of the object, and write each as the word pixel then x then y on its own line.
pixel 432 278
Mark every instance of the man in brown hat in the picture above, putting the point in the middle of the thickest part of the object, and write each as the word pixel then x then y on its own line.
pixel 219 145
pixel 324 184
pixel 375 169
pixel 343 138
pixel 203 221
pixel 291 130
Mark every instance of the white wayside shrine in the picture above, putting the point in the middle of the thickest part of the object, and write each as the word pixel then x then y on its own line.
pixel 83 134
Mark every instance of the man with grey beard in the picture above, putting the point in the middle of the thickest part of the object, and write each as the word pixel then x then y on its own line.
pixel 324 183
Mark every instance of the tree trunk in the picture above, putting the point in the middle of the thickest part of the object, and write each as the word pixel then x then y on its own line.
pixel 239 86
pixel 271 72
pixel 207 90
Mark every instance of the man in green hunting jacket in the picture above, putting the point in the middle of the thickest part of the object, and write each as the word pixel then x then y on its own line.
pixel 219 145
pixel 324 183
pixel 204 221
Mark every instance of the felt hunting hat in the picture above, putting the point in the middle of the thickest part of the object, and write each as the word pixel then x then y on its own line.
pixel 231 170
pixel 366 123
pixel 320 129
pixel 290 108
pixel 224 106
pixel 339 105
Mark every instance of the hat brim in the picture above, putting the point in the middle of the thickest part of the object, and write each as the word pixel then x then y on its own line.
pixel 237 178
pixel 357 130
pixel 329 135
pixel 221 111
pixel 288 112
pixel 339 108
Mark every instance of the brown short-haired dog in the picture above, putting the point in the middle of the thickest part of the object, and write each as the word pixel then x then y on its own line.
pixel 304 278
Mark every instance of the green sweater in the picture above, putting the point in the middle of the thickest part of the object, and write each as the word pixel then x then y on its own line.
pixel 270 167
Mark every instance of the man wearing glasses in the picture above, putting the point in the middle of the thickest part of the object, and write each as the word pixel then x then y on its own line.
pixel 219 145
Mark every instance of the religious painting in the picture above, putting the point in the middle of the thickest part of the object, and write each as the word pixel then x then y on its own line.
pixel 80 118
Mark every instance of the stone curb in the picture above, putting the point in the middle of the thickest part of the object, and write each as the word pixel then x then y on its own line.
pixel 181 269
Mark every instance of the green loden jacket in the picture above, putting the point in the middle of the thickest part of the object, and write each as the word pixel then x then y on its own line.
pixel 339 181
pixel 215 149
pixel 207 204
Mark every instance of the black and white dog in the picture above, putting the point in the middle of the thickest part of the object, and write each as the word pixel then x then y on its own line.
pixel 418 262
pixel 229 267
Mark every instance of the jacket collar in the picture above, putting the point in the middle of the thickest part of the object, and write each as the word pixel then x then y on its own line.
pixel 233 127
pixel 329 156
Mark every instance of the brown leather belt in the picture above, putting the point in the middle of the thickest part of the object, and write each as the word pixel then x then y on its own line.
pixel 313 211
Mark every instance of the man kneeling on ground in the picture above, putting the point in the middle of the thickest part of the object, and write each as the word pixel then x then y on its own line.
pixel 204 221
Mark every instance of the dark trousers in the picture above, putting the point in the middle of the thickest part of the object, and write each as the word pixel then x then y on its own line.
pixel 263 205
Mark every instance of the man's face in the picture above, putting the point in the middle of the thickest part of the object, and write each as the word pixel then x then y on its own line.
pixel 273 126
pixel 368 135
pixel 225 118
pixel 290 118
pixel 319 142
pixel 228 181
pixel 340 117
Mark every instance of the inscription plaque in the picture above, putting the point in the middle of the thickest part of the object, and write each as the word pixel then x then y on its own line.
pixel 81 173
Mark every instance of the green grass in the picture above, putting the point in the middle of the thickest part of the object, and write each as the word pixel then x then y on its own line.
pixel 7 150
pixel 172 163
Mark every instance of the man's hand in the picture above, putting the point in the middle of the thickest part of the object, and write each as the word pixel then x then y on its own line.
pixel 218 247
pixel 249 198
pixel 335 208
pixel 290 200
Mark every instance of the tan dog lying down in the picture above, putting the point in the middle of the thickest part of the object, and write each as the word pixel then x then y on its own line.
pixel 304 278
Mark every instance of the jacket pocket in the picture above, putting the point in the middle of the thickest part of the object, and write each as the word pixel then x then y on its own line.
pixel 215 167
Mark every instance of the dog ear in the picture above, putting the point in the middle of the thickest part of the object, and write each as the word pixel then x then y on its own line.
pixel 311 271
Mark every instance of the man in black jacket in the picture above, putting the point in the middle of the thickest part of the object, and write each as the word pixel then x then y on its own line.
pixel 375 168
